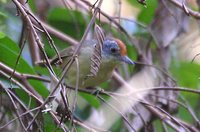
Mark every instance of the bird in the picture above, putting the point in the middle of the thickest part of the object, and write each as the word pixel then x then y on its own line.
pixel 113 53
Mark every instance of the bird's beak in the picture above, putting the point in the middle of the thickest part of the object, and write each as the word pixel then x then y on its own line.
pixel 127 60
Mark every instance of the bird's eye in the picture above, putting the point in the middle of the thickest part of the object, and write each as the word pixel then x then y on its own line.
pixel 113 50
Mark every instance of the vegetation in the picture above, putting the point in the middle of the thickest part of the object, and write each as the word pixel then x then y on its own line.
pixel 159 93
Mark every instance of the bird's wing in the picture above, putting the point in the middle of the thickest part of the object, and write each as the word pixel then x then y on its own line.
pixel 64 54
pixel 68 52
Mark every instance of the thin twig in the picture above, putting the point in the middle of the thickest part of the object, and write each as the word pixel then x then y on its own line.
pixel 16 110
pixel 126 120
pixel 51 42
pixel 23 114
pixel 35 77
pixel 70 61
pixel 84 126
pixel 18 57
pixel 162 114
pixel 131 20
pixel 190 110
pixel 7 71
pixel 30 24
pixel 185 9
pixel 59 34
pixel 77 85
pixel 20 103
pixel 131 38
pixel 25 85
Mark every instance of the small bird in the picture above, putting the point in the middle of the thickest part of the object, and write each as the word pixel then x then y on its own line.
pixel 113 52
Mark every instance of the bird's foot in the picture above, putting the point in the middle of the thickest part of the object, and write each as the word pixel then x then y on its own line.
pixel 97 91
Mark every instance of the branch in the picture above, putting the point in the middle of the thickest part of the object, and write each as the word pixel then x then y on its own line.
pixel 187 10
pixel 22 79
pixel 131 38
pixel 58 34
pixel 30 25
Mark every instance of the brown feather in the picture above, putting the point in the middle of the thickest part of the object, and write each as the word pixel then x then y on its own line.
pixel 122 47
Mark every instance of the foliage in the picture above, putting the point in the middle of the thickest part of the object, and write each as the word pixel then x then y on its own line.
pixel 141 46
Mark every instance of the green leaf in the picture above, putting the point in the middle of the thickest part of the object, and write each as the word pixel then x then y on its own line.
pixel 9 53
pixel 25 97
pixel 91 99
pixel 3 1
pixel 183 114
pixel 49 124
pixel 136 3
pixel 157 125
pixel 69 22
pixel 2 35
pixel 118 125
pixel 147 14
pixel 41 70
pixel 32 4
pixel 187 74
pixel 6 83
pixel 8 43
pixel 2 14
pixel 9 57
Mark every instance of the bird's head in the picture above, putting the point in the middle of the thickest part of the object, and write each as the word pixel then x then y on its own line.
pixel 115 49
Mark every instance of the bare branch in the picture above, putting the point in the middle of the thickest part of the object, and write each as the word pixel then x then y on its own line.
pixel 187 10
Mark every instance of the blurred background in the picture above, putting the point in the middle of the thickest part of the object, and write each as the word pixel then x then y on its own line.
pixel 162 36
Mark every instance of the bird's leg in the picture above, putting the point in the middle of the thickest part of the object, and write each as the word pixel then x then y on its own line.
pixel 97 91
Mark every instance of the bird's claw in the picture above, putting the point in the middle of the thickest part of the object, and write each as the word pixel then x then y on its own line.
pixel 97 91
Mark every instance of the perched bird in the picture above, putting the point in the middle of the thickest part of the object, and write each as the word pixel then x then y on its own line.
pixel 113 52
